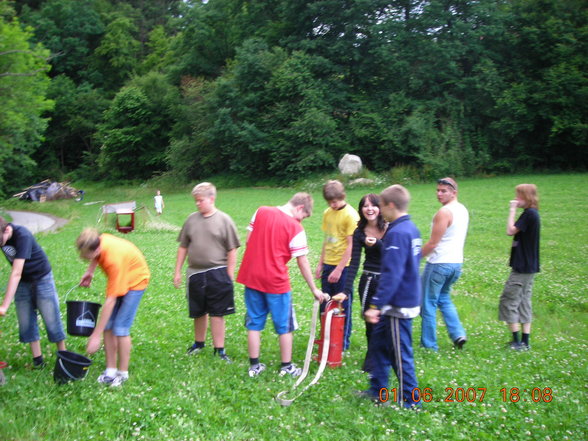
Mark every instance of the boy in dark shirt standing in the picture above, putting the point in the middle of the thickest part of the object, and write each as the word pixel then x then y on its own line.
pixel 396 302
pixel 515 302
pixel 32 287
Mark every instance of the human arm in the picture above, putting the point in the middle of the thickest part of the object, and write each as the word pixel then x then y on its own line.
pixel 180 258
pixel 511 229
pixel 13 281
pixel 441 222
pixel 232 262
pixel 96 337
pixel 89 274
pixel 358 238
pixel 306 272
pixel 336 273
pixel 319 268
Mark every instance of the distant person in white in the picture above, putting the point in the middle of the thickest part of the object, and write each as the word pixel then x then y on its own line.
pixel 159 204
pixel 444 253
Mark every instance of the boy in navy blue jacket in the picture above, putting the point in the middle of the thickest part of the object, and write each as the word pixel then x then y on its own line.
pixel 396 302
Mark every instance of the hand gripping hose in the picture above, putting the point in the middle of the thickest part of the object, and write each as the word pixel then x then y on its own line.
pixel 323 363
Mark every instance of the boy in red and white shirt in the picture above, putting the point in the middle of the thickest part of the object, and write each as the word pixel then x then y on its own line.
pixel 275 235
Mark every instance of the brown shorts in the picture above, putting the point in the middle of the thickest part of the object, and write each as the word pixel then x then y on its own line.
pixel 515 301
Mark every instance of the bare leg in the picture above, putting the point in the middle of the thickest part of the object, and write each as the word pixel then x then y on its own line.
pixel 286 347
pixel 61 345
pixel 35 348
pixel 200 327
pixel 514 327
pixel 124 352
pixel 110 349
pixel 526 328
pixel 254 343
pixel 217 329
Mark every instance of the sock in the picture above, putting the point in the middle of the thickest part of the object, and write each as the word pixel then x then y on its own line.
pixel 110 372
pixel 286 364
pixel 199 344
pixel 124 374
pixel 38 361
pixel 525 339
pixel 253 361
pixel 515 336
pixel 219 351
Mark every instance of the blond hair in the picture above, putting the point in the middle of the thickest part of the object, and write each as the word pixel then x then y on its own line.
pixel 528 193
pixel 204 189
pixel 303 199
pixel 88 240
pixel 333 191
pixel 398 195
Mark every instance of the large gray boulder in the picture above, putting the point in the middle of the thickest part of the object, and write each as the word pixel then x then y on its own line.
pixel 350 164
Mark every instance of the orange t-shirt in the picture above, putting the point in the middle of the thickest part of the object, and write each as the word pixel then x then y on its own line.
pixel 124 265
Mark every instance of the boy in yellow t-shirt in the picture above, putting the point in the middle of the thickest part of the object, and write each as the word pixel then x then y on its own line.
pixel 339 223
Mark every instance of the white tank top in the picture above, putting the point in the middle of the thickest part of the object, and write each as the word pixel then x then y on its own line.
pixel 450 248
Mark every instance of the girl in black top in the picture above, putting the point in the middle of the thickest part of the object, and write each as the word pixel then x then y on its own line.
pixel 367 236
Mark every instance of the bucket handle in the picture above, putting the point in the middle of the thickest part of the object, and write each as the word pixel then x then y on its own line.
pixel 69 292
pixel 63 368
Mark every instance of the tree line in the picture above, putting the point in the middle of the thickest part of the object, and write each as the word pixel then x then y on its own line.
pixel 280 88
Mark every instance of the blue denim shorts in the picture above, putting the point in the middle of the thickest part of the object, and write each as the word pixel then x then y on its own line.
pixel 124 313
pixel 40 295
pixel 259 304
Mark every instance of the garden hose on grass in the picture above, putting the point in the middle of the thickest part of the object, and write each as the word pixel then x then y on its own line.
pixel 323 360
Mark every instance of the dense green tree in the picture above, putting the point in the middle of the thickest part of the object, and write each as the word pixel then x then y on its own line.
pixel 71 30
pixel 23 85
pixel 74 120
pixel 135 132
pixel 541 119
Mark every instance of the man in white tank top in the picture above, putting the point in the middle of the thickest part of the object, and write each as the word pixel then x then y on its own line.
pixel 444 253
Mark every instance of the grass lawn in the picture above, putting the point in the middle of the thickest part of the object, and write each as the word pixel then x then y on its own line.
pixel 172 396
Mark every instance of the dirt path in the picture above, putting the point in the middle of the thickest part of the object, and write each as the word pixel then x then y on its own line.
pixel 36 222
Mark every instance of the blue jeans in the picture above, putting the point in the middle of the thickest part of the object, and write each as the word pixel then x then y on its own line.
pixel 437 281
pixel 40 295
pixel 124 312
pixel 335 288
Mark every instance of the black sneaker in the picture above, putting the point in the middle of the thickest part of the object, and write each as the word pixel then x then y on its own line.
pixel 367 395
pixel 459 342
pixel 523 347
pixel 223 356
pixel 514 345
pixel 39 362
pixel 194 349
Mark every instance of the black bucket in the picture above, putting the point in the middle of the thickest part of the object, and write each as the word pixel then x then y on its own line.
pixel 81 317
pixel 70 366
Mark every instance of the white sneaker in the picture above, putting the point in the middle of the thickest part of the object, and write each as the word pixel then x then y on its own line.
pixel 256 369
pixel 291 370
pixel 105 379
pixel 118 380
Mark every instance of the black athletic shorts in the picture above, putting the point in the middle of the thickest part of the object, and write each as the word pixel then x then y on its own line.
pixel 210 292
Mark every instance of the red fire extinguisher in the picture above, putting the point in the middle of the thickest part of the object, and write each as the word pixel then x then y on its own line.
pixel 335 343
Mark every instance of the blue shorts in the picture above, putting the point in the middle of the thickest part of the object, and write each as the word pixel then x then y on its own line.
pixel 260 304
pixel 124 313
pixel 40 295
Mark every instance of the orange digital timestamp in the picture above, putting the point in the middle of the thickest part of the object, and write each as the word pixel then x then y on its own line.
pixel 470 395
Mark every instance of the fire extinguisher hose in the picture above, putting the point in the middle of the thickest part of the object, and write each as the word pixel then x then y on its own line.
pixel 323 363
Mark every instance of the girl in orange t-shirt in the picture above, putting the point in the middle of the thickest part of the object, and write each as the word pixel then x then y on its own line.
pixel 128 276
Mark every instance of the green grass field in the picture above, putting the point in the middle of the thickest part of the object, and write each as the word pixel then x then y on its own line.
pixel 171 396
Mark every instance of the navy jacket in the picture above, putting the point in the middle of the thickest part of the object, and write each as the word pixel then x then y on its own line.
pixel 400 284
